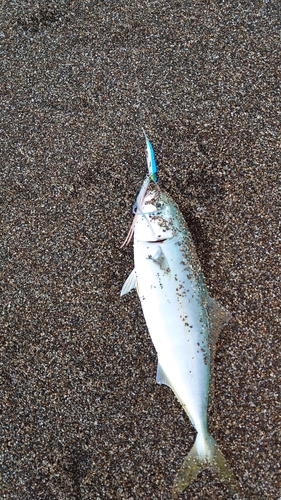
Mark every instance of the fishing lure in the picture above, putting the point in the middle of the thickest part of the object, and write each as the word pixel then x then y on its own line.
pixel 151 162
pixel 152 175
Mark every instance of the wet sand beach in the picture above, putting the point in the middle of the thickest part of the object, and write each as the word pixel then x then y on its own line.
pixel 83 417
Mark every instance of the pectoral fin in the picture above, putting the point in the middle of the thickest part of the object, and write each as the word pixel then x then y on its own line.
pixel 159 258
pixel 130 283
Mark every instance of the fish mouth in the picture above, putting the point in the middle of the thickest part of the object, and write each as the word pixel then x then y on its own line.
pixel 158 241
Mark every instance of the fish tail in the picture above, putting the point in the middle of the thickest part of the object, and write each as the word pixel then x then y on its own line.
pixel 205 453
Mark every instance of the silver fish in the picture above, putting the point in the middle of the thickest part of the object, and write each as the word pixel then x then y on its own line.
pixel 182 319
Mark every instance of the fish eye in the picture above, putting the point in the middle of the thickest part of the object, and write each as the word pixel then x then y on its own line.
pixel 159 204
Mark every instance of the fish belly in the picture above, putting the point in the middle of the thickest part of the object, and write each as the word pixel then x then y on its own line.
pixel 174 308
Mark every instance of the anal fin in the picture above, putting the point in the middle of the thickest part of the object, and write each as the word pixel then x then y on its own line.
pixel 161 377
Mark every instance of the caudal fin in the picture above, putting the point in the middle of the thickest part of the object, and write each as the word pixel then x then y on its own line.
pixel 204 456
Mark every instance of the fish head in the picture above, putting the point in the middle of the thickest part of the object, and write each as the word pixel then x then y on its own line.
pixel 157 219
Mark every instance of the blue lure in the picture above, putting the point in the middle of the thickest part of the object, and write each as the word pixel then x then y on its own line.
pixel 151 162
pixel 152 176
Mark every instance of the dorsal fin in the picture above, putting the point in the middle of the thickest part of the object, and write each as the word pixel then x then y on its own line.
pixel 218 317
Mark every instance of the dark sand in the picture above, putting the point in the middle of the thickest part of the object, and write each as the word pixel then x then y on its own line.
pixel 83 416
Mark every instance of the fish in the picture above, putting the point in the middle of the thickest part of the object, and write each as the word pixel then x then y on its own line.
pixel 182 319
